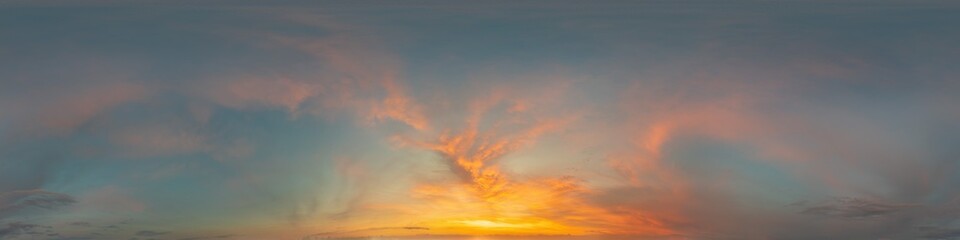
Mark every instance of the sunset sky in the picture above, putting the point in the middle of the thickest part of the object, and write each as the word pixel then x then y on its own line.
pixel 189 120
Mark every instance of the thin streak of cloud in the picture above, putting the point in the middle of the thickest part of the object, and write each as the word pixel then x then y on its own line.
pixel 361 231
pixel 16 201
pixel 851 208
pixel 226 236
pixel 15 229
pixel 150 233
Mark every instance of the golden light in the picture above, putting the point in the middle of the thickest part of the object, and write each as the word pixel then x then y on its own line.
pixel 492 224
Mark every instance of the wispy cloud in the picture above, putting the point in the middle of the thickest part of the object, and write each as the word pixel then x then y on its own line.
pixel 851 208
pixel 150 233
pixel 15 229
pixel 227 236
pixel 696 120
pixel 364 231
pixel 61 112
pixel 939 233
pixel 16 201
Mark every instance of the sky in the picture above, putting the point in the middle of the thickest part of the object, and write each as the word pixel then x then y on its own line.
pixel 188 120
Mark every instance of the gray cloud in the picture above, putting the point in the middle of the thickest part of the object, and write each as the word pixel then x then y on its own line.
pixel 74 238
pixel 16 201
pixel 209 237
pixel 851 208
pixel 335 233
pixel 147 233
pixel 81 224
pixel 940 233
pixel 17 228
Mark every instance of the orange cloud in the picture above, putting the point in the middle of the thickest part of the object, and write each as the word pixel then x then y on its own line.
pixel 397 105
pixel 487 199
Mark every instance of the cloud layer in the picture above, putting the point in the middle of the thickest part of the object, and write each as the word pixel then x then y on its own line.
pixel 247 120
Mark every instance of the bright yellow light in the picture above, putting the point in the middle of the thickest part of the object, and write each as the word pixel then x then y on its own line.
pixel 492 224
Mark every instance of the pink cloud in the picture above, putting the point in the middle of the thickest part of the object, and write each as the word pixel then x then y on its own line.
pixel 357 77
pixel 257 92
pixel 64 110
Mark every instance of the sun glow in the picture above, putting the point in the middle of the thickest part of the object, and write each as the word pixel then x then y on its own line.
pixel 492 224
pixel 479 196
pixel 508 226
